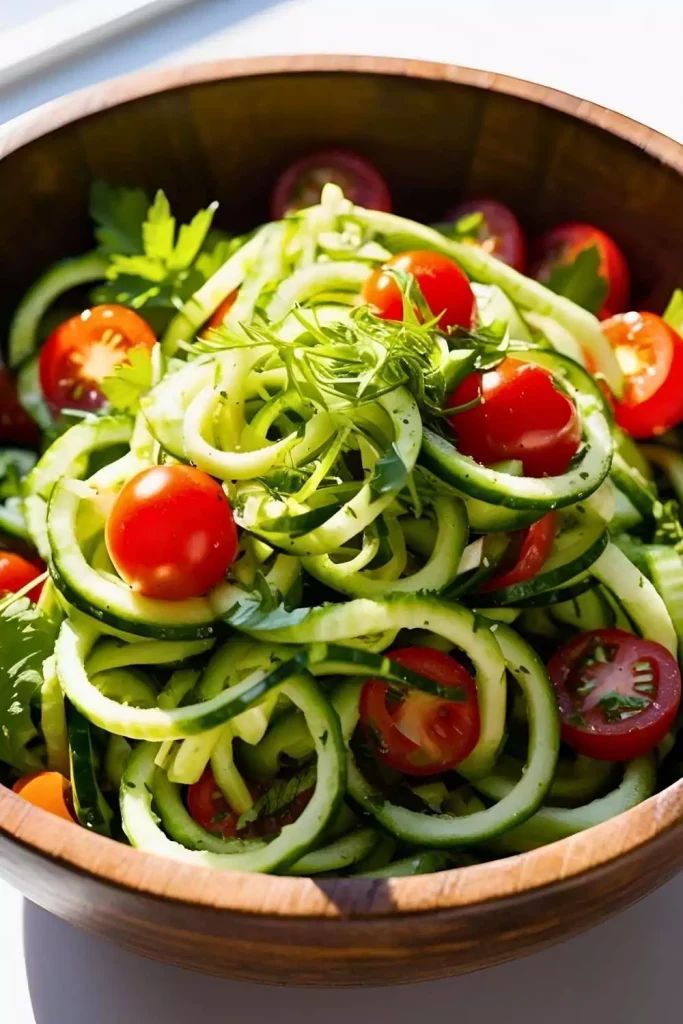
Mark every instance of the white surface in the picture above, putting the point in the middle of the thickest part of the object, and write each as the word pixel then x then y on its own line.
pixel 623 53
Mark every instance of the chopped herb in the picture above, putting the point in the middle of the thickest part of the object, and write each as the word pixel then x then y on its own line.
pixel 581 279
pixel 617 706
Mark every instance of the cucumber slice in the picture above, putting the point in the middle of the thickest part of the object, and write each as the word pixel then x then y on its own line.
pixel 292 843
pixel 60 278
pixel 666 570
pixel 339 855
pixel 92 810
pixel 638 596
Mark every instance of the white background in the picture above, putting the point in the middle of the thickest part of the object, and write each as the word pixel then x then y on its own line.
pixel 623 53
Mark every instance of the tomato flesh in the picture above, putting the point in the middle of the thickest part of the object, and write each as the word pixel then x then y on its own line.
pixel 219 316
pixel 521 416
pixel 211 810
pixel 445 287
pixel 526 555
pixel 499 232
pixel 618 694
pixel 563 244
pixel 84 350
pixel 16 426
pixel 301 184
pixel 17 572
pixel 418 733
pixel 49 791
pixel 171 533
pixel 650 354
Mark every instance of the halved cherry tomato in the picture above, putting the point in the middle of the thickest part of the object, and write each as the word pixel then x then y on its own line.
pixel 211 810
pixel 650 354
pixel 16 426
pixel 526 555
pixel 219 316
pixel 562 245
pixel 618 694
pixel 443 284
pixel 16 572
pixel 171 533
pixel 84 350
pixel 48 790
pixel 301 184
pixel 521 416
pixel 418 733
pixel 499 233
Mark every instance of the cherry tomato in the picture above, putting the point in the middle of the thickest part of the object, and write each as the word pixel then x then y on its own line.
pixel 421 734
pixel 16 572
pixel 219 316
pixel 618 694
pixel 48 790
pixel 16 426
pixel 526 555
pixel 84 350
pixel 171 533
pixel 443 284
pixel 650 354
pixel 563 244
pixel 521 416
pixel 301 184
pixel 211 810
pixel 499 233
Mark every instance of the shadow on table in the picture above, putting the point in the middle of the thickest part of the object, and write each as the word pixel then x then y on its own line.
pixel 623 972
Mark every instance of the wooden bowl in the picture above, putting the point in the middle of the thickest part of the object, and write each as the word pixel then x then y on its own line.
pixel 224 131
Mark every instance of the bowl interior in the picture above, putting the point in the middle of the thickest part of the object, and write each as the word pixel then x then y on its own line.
pixel 434 140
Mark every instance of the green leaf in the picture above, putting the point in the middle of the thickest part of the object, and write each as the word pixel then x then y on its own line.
pixel 390 474
pixel 118 213
pixel 280 795
pixel 191 238
pixel 158 230
pixel 27 638
pixel 673 314
pixel 580 280
pixel 617 706
pixel 130 381
pixel 15 464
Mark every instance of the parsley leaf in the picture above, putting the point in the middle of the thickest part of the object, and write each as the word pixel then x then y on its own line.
pixel 152 260
pixel 118 213
pixel 27 638
pixel 673 314
pixel 130 381
pixel 580 280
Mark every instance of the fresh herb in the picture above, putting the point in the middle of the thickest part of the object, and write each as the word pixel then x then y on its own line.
pixel 27 638
pixel 673 314
pixel 130 381
pixel 617 706
pixel 390 474
pixel 581 280
pixel 152 262
pixel 15 463
pixel 281 794
pixel 668 526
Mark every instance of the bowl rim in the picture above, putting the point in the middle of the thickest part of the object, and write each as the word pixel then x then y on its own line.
pixel 559 864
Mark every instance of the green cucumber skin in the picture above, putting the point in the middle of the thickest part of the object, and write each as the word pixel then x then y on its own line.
pixel 91 808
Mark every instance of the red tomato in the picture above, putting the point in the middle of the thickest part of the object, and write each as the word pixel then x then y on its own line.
pixel 650 354
pixel 443 284
pixel 84 350
pixel 219 316
pixel 301 184
pixel 563 244
pixel 421 734
pixel 171 533
pixel 521 416
pixel 48 790
pixel 618 694
pixel 16 426
pixel 527 554
pixel 500 232
pixel 211 810
pixel 16 572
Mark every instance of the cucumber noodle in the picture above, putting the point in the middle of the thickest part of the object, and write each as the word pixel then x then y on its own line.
pixel 359 521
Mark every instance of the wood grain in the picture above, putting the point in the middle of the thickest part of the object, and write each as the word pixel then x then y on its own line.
pixel 224 131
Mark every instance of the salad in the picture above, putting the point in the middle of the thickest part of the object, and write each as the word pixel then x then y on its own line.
pixel 340 547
